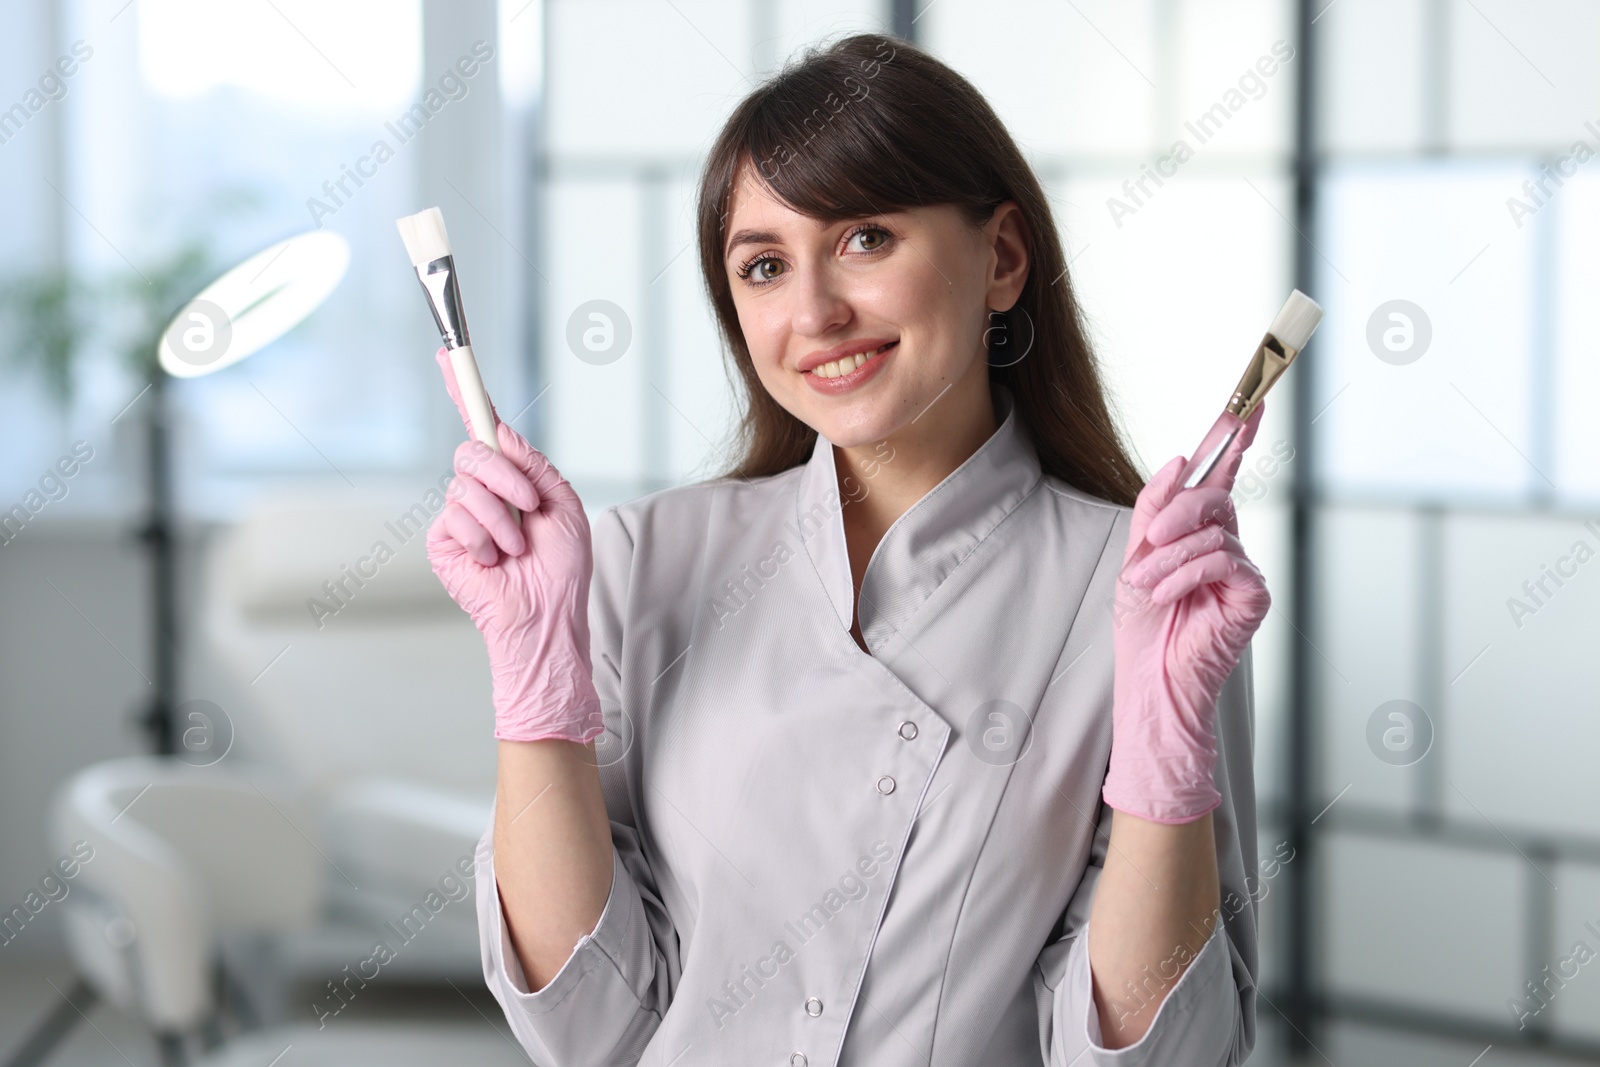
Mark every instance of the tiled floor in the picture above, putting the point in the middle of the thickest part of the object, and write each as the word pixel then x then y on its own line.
pixel 31 987
pixel 107 1037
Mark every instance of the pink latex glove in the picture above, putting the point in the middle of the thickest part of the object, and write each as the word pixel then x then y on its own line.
pixel 1183 617
pixel 526 587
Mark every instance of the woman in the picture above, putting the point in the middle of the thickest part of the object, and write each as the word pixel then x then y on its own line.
pixel 888 729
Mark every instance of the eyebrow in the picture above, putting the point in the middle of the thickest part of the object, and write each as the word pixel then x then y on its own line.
pixel 751 237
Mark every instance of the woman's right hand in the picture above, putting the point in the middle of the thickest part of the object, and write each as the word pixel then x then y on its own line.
pixel 525 584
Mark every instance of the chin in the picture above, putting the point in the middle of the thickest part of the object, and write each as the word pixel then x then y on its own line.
pixel 858 421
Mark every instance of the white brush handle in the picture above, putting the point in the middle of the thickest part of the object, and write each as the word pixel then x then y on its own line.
pixel 476 399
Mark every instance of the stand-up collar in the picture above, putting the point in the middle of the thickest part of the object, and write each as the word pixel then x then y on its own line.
pixel 930 540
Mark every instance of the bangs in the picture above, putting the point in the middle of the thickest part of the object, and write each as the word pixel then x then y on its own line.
pixel 829 143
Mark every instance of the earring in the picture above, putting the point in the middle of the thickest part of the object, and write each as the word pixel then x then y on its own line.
pixel 996 338
pixel 1007 346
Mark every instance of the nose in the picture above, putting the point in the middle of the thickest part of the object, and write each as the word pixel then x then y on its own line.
pixel 819 305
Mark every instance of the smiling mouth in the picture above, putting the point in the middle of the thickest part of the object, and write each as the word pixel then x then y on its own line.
pixel 840 367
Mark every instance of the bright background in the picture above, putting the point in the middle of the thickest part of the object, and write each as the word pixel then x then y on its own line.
pixel 567 174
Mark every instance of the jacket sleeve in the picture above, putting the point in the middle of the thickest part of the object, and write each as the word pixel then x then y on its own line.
pixel 605 1003
pixel 1208 1018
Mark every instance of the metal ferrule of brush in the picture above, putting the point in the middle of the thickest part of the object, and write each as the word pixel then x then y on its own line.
pixel 438 279
pixel 1271 359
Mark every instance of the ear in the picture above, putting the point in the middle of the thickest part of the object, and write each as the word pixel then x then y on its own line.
pixel 1007 237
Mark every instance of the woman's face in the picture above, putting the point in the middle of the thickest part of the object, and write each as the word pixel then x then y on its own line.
pixel 857 327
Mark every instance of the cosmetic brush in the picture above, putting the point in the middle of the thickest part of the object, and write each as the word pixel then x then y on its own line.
pixel 428 245
pixel 1284 340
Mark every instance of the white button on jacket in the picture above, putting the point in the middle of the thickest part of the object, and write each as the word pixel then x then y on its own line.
pixel 829 857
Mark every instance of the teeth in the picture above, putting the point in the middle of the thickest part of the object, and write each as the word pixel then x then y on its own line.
pixel 849 363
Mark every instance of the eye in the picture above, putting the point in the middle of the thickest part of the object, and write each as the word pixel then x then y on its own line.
pixel 760 270
pixel 868 239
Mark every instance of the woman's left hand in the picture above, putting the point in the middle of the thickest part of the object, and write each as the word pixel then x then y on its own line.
pixel 1183 617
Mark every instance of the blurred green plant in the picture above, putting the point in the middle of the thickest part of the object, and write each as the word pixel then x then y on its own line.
pixel 50 321
pixel 45 327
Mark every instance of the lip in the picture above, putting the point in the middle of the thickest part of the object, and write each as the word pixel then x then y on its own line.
pixel 849 348
pixel 856 378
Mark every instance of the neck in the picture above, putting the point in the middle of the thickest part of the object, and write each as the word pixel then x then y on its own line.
pixel 880 481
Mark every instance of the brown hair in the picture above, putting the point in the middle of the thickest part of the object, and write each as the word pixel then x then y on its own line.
pixel 869 125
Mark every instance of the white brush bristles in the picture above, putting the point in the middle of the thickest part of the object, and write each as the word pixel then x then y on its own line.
pixel 425 236
pixel 1297 320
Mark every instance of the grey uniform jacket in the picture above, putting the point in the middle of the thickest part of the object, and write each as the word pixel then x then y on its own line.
pixel 828 857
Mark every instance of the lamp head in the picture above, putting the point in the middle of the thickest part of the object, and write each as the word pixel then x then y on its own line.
pixel 254 304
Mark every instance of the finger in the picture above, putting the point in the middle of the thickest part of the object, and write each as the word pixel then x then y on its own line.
pixel 469 533
pixel 1189 511
pixel 447 368
pixel 443 551
pixel 1224 567
pixel 1169 557
pixel 548 484
pixel 440 542
pixel 490 512
pixel 496 471
pixel 1151 499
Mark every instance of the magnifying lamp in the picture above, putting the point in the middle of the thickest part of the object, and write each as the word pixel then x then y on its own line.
pixel 254 304
pixel 240 313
